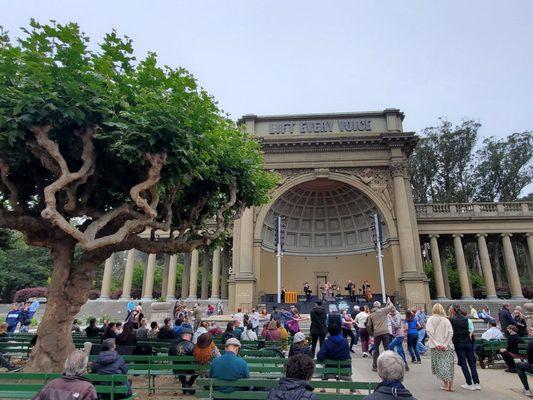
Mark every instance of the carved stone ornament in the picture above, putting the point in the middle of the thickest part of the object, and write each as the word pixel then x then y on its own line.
pixel 377 179
pixel 399 168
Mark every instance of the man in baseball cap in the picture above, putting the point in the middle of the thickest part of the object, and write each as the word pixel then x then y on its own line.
pixel 229 366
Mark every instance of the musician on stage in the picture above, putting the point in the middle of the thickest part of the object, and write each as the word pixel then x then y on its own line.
pixel 283 294
pixel 350 287
pixel 367 293
pixel 307 291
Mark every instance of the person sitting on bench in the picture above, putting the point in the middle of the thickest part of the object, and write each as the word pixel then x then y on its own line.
pixel 511 351
pixel 298 371
pixel 229 366
pixel 109 362
pixel 72 384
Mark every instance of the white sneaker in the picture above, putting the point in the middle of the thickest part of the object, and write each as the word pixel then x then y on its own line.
pixel 477 386
pixel 528 393
pixel 468 387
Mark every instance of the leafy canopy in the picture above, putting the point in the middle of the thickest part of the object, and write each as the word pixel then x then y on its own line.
pixel 448 166
pixel 52 78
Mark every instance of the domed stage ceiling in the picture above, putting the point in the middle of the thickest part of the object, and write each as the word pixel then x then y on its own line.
pixel 322 217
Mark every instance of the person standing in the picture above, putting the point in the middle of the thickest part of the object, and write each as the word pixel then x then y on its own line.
pixel 412 336
pixel 318 327
pixel 462 342
pixel 347 323
pixel 351 290
pixel 355 327
pixel 377 326
pixel 440 335
pixel 13 318
pixel 505 317
pixel 307 291
pixel 254 319
pixel 197 315
pixel 397 333
pixel 360 321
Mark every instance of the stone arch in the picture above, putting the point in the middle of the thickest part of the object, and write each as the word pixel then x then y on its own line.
pixel 384 209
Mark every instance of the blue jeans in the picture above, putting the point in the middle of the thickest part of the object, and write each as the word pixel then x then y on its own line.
pixel 397 345
pixel 465 356
pixel 412 346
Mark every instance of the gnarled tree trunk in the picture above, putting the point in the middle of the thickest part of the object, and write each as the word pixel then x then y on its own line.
pixel 68 291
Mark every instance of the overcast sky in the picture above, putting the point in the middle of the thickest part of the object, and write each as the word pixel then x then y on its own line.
pixel 455 59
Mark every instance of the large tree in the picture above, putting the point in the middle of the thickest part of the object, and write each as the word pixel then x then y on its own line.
pixel 96 147
pixel 448 166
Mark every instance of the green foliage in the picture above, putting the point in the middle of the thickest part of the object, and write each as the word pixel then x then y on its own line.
pixel 446 167
pixel 52 77
pixel 505 167
pixel 22 266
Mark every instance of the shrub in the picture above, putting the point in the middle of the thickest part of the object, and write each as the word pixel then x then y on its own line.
pixel 23 295
pixel 94 294
pixel 116 294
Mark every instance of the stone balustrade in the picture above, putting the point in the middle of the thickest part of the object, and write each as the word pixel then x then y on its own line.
pixel 476 210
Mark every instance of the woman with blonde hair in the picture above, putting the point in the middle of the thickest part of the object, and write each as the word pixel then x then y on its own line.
pixel 440 333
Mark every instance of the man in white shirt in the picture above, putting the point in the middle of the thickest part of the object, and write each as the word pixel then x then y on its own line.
pixel 239 316
pixel 493 333
pixel 254 319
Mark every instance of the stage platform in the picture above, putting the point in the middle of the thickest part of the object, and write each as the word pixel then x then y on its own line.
pixel 305 306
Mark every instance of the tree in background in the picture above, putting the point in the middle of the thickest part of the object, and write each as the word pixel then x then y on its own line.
pixel 446 166
pixel 504 167
pixel 21 265
pixel 96 148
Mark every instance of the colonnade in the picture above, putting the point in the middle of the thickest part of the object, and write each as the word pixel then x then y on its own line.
pixel 513 277
pixel 214 261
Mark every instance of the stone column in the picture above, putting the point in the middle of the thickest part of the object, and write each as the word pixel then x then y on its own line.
pixel 401 208
pixel 215 274
pixel 206 264
pixel 225 274
pixel 529 238
pixel 510 266
pixel 194 275
pixel 247 242
pixel 149 284
pixel 186 277
pixel 171 282
pixel 444 264
pixel 486 267
pixel 128 275
pixel 437 268
pixel 164 281
pixel 466 290
pixel 107 277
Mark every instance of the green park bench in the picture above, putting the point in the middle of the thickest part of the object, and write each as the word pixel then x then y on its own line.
pixel 208 389
pixel 153 367
pixel 20 385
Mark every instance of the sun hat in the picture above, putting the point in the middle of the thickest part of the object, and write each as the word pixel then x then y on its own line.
pixel 298 337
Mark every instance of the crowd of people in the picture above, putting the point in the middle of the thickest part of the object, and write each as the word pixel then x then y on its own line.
pixel 447 335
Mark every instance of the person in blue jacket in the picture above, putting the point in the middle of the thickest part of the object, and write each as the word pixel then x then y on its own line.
pixel 336 348
pixel 109 362
pixel 13 318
